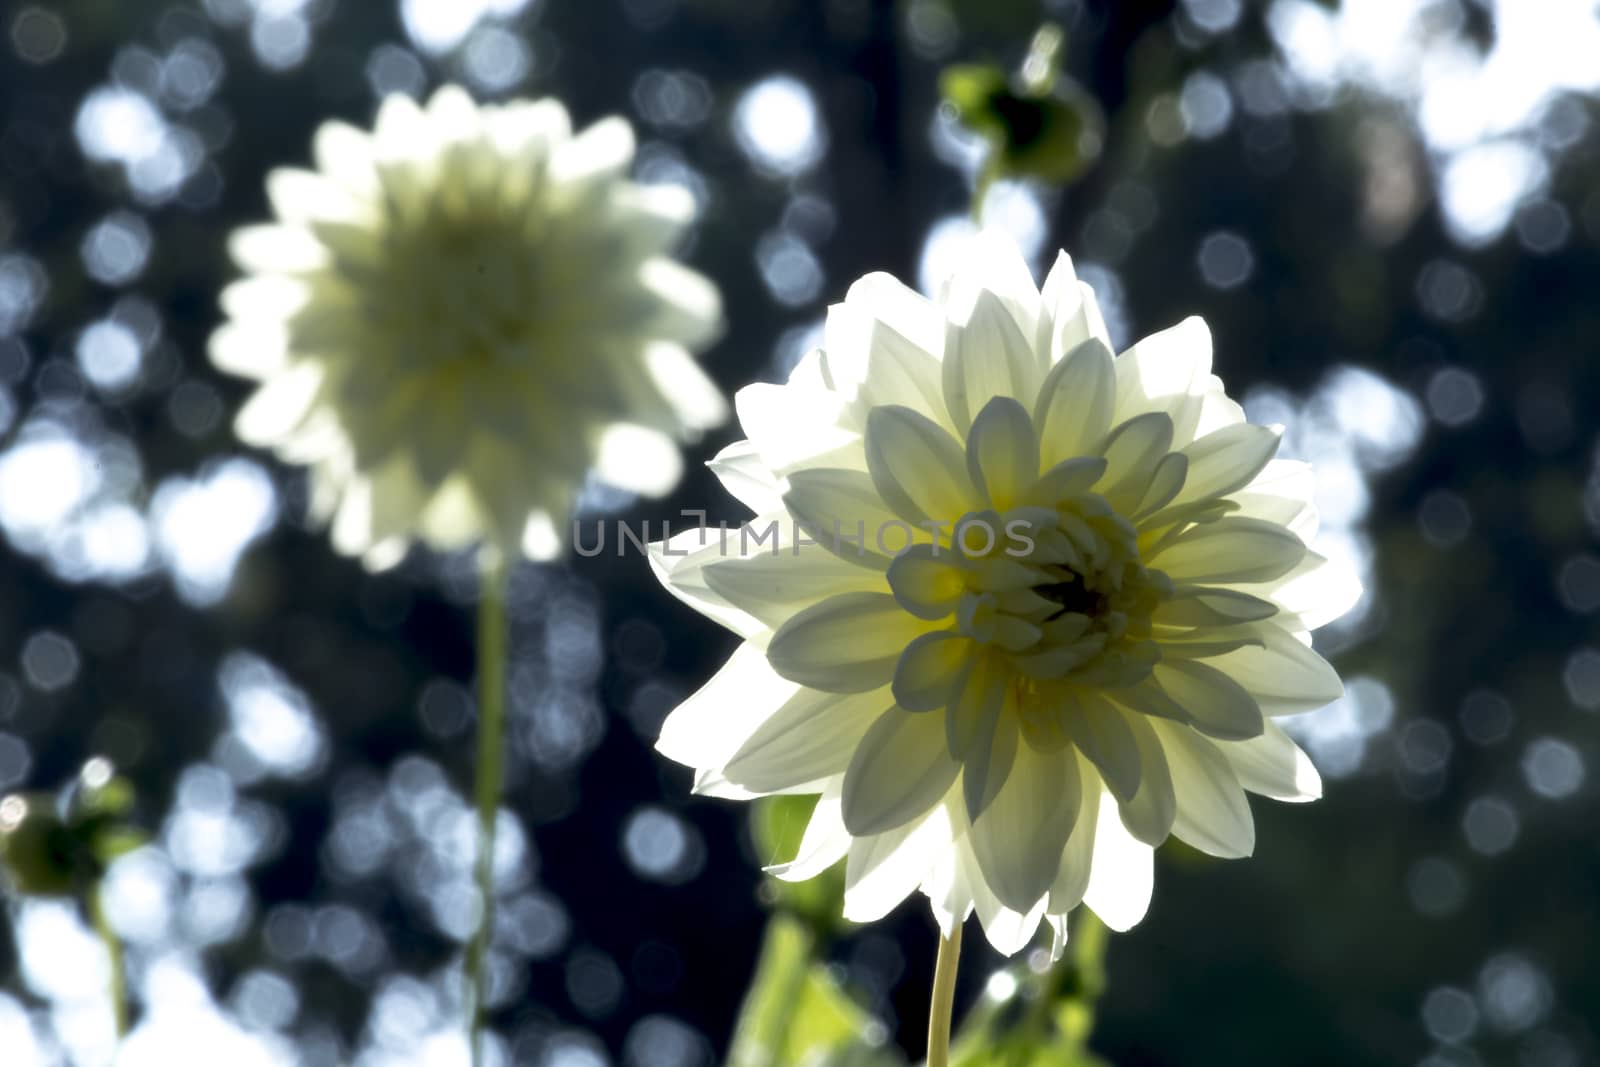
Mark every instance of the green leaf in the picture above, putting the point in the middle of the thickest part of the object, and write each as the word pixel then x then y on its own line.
pixel 1040 124
pixel 38 851
pixel 778 824
pixel 795 1014
pixel 114 841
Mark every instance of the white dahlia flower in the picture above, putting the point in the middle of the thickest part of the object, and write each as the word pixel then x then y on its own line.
pixel 1058 599
pixel 460 316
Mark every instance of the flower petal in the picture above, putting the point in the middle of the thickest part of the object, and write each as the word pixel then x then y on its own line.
pixel 1213 814
pixel 679 563
pixel 883 869
pixel 919 469
pixel 1284 676
pixel 708 727
pixel 842 511
pixel 742 472
pixel 900 770
pixel 926 674
pixel 824 843
pixel 984 357
pixel 927 580
pixel 1133 453
pixel 1226 460
pixel 1002 452
pixel 1122 876
pixel 848 643
pixel 1167 372
pixel 772 587
pixel 1104 736
pixel 986 766
pixel 811 737
pixel 1075 405
pixel 1217 705
pixel 885 365
pixel 1151 812
pixel 1230 550
pixel 1020 837
pixel 1274 766
pixel 1077 859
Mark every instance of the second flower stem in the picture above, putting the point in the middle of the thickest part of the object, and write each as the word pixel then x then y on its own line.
pixel 116 984
pixel 488 780
pixel 943 1001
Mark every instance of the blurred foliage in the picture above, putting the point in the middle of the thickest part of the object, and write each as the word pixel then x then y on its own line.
pixel 1038 122
pixel 61 845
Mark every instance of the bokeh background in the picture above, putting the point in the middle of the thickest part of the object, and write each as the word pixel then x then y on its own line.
pixel 1387 210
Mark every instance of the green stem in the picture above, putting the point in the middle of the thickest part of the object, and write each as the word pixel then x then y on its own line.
pixel 944 996
pixel 116 985
pixel 488 779
pixel 980 188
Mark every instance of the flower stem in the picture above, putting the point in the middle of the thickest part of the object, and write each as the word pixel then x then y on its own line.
pixel 944 995
pixel 116 984
pixel 488 778
pixel 980 189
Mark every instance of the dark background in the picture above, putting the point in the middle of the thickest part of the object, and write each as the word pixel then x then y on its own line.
pixel 1439 906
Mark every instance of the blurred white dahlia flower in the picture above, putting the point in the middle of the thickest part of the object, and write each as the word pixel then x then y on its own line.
pixel 460 316
pixel 1058 599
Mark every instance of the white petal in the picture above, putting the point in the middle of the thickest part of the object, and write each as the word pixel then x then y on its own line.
pixel 847 643
pixel 638 459
pixel 695 398
pixel 1274 766
pixel 1213 814
pixel 902 309
pixel 811 737
pixel 708 727
pixel 680 562
pixel 928 581
pixel 986 356
pixel 1230 550
pixel 1020 837
pixel 344 154
pixel 279 407
pixel 1103 735
pixel 774 586
pixel 1319 592
pixel 303 196
pixel 1077 860
pixel 1122 877
pixel 1285 677
pixel 1075 405
pixel 598 153
pixel 1002 452
pixel 1226 460
pixel 991 265
pixel 1217 705
pixel 987 763
pixel 1133 453
pixel 843 512
pixel 885 366
pixel 1168 372
pixel 794 427
pixel 743 473
pixel 825 842
pixel 900 770
pixel 277 250
pixel 919 469
pixel 926 673
pixel 1150 814
pixel 252 349
pixel 883 869
pixel 690 306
